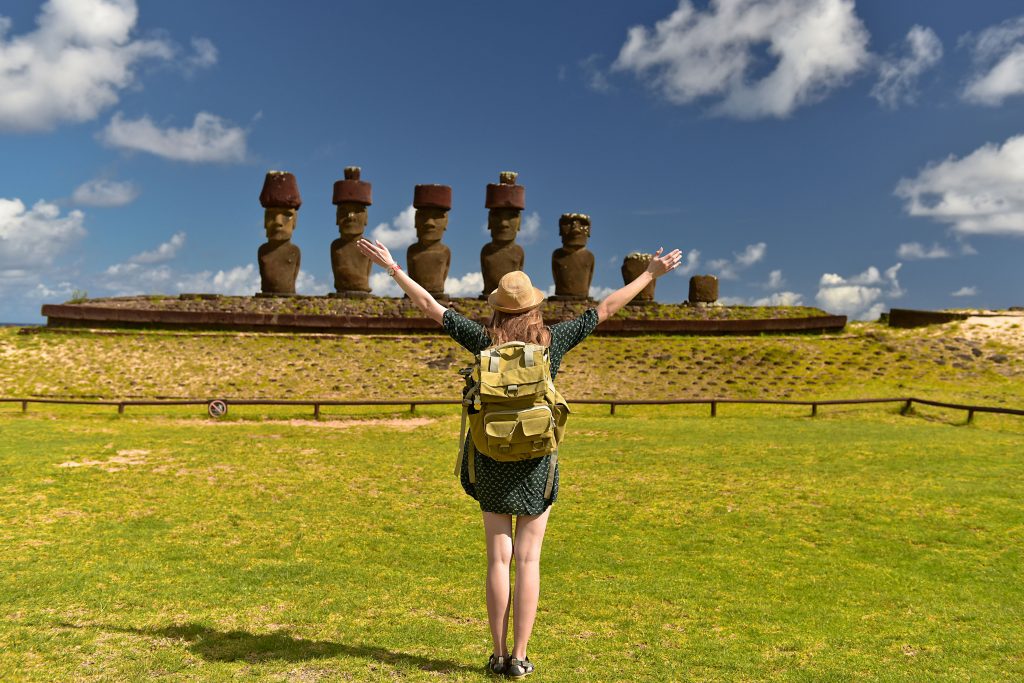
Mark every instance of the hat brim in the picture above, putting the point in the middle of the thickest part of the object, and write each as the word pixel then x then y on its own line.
pixel 538 297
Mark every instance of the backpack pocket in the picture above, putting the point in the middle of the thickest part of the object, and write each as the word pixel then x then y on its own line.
pixel 519 434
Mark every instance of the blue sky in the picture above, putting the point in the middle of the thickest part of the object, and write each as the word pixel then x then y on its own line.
pixel 850 155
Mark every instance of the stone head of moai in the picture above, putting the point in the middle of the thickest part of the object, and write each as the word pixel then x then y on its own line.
pixel 574 229
pixel 432 203
pixel 505 201
pixel 632 267
pixel 352 196
pixel 280 200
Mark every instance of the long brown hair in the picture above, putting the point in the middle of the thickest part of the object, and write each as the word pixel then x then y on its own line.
pixel 525 327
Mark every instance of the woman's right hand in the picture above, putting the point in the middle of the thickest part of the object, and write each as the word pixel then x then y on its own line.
pixel 660 265
pixel 377 253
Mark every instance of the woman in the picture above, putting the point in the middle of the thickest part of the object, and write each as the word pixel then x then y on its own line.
pixel 507 489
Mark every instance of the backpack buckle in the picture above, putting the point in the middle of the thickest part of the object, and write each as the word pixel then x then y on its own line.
pixel 512 390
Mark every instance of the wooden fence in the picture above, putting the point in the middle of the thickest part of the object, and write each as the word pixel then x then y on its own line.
pixel 219 407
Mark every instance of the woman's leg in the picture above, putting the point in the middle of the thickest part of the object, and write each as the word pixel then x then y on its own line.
pixel 528 539
pixel 498 530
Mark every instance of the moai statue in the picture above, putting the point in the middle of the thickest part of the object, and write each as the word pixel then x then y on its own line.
pixel 351 268
pixel 573 264
pixel 278 258
pixel 632 267
pixel 428 259
pixel 502 255
pixel 703 290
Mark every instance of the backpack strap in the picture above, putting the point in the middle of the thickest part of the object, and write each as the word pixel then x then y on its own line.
pixel 552 462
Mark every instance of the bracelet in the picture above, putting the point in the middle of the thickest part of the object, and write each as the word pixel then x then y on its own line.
pixel 393 268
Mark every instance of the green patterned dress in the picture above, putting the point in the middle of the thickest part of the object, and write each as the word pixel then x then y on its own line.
pixel 514 488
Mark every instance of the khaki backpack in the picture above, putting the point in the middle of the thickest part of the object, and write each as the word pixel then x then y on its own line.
pixel 512 407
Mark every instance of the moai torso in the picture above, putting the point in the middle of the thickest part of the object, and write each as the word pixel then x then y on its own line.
pixel 351 268
pixel 279 267
pixel 573 270
pixel 428 265
pixel 497 259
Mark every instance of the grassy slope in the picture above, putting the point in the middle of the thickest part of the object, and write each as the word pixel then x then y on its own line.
pixel 858 545
pixel 869 360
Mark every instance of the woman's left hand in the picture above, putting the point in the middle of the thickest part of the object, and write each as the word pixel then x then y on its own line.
pixel 660 265
pixel 377 253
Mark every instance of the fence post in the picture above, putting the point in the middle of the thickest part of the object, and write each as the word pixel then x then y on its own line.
pixel 814 410
pixel 714 408
pixel 970 416
pixel 612 407
pixel 24 406
pixel 120 409
pixel 316 411
pixel 906 407
pixel 412 407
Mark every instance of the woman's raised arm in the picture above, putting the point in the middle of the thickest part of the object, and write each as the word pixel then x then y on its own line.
pixel 658 266
pixel 380 255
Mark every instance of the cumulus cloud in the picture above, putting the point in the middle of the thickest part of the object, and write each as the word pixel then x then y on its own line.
pixel 529 229
pixel 73 65
pixel 727 269
pixel 860 296
pixel 982 193
pixel 775 280
pixel 131 278
pixel 780 299
pixel 965 291
pixel 470 284
pixel 998 55
pixel 752 58
pixel 165 252
pixel 105 193
pixel 600 293
pixel 690 264
pixel 31 238
pixel 916 250
pixel 401 232
pixel 898 76
pixel 383 284
pixel 209 139
pixel 204 54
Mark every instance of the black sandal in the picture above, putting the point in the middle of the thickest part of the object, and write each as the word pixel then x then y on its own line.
pixel 518 668
pixel 496 666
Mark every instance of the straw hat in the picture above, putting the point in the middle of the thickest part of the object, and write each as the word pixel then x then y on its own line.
pixel 515 294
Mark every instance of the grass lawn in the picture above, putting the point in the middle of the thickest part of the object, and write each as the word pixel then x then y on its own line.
pixel 759 545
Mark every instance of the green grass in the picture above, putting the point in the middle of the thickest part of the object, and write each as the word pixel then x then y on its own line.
pixel 760 545
pixel 868 360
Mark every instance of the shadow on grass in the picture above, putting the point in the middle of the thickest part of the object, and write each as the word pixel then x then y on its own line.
pixel 230 646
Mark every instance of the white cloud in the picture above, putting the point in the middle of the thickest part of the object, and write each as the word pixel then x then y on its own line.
pixel 470 284
pixel 308 284
pixel 593 76
pixel 897 78
pixel 105 193
pixel 600 293
pixel 729 270
pixel 967 250
pixel 807 48
pixel 982 193
pixel 965 291
pixel 204 54
pixel 775 280
pixel 780 299
pixel 998 54
pixel 860 296
pixel 210 139
pixel 916 250
pixel 529 229
pixel 383 284
pixel 690 265
pixel 73 65
pixel 402 234
pixel 126 279
pixel 164 252
pixel 30 239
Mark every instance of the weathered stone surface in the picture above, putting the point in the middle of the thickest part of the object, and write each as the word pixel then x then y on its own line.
pixel 502 255
pixel 350 267
pixel 572 265
pixel 428 260
pixel 703 289
pixel 632 267
pixel 905 317
pixel 279 260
